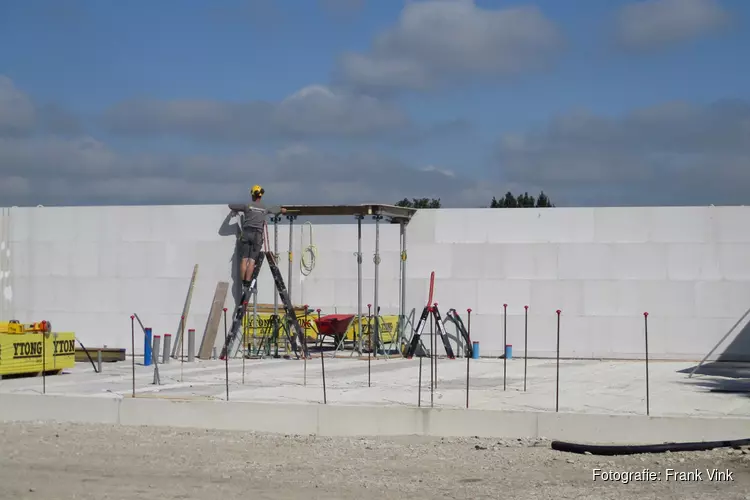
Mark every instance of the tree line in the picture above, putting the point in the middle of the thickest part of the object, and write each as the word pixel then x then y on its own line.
pixel 508 201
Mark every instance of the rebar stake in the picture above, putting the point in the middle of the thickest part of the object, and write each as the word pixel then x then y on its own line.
pixel 369 344
pixel 226 358
pixel 645 328
pixel 132 349
pixel 525 342
pixel 557 381
pixel 505 343
pixel 469 354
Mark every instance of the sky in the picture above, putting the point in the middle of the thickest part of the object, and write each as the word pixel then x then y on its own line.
pixel 594 102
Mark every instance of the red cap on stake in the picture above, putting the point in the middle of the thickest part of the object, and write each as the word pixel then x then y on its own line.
pixel 559 311
pixel 645 314
pixel 468 310
pixel 225 309
pixel 132 317
pixel 525 307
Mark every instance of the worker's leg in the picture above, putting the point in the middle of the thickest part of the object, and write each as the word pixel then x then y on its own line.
pixel 255 241
pixel 243 252
pixel 248 272
pixel 243 267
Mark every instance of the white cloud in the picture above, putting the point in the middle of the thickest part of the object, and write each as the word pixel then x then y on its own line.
pixel 17 114
pixel 38 166
pixel 441 41
pixel 20 116
pixel 651 24
pixel 52 171
pixel 314 112
pixel 673 153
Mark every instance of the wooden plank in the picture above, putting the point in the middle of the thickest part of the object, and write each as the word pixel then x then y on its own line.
pixel 214 319
pixel 185 311
pixel 109 354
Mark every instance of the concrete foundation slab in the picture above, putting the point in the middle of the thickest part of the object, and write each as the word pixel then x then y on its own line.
pixel 599 401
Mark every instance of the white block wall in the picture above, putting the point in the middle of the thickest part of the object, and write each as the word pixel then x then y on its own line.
pixel 6 288
pixel 87 269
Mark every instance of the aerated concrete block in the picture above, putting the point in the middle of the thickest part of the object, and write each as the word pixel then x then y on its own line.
pixel 582 261
pixel 422 227
pixel 424 259
pixel 639 261
pixel 98 295
pixel 662 298
pixel 465 226
pixel 731 224
pixel 455 294
pixel 318 293
pixel 531 261
pixel 549 296
pixel 622 225
pixel 600 298
pixel 693 261
pixel 680 225
pixel 721 299
pixel 469 261
pixel 543 225
pixel 733 261
pixel 492 294
pixel 83 259
pixel 136 224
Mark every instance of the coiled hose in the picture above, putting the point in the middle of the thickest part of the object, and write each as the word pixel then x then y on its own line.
pixel 309 254
pixel 646 448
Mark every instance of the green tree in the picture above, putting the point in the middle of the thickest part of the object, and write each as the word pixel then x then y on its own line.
pixel 521 201
pixel 419 203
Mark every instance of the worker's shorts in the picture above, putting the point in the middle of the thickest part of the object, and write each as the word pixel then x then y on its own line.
pixel 251 244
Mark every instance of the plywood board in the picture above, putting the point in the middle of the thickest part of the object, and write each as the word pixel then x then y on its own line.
pixel 180 334
pixel 214 318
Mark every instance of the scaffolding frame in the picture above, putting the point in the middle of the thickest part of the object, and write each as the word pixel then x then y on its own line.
pixel 394 215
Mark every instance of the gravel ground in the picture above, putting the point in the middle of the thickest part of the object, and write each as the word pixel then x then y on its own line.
pixel 46 461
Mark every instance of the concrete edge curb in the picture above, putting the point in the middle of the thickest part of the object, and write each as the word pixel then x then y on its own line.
pixel 335 420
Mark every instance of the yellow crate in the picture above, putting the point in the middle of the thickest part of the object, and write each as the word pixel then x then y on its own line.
pixel 388 328
pixel 388 325
pixel 264 322
pixel 21 354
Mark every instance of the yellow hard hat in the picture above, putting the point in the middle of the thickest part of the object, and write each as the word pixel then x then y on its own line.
pixel 257 190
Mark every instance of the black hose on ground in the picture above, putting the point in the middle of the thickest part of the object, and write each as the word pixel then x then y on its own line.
pixel 88 355
pixel 646 448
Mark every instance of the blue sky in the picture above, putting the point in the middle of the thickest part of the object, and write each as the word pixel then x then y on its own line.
pixel 596 102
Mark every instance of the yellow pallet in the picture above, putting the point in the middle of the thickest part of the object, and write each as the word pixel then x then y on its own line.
pixel 388 325
pixel 36 352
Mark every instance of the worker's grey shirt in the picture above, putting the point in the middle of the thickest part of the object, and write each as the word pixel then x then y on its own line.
pixel 254 213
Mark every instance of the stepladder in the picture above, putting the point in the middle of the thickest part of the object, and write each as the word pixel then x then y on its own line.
pixel 430 309
pixel 294 332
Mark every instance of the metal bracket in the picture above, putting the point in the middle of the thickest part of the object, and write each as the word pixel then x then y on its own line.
pixel 358 255
pixel 376 258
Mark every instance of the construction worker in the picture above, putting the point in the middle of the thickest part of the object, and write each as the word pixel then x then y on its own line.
pixel 251 234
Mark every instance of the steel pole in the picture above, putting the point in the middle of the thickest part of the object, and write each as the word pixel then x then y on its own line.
pixel 291 256
pixel 359 283
pixel 402 302
pixel 376 260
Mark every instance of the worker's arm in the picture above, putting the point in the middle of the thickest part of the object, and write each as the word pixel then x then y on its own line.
pixel 276 209
pixel 237 207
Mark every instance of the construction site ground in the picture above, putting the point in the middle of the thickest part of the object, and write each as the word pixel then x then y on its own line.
pixel 66 461
pixel 610 387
